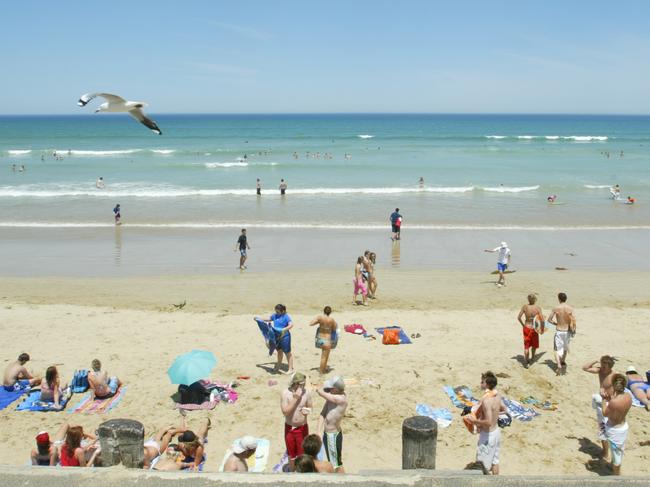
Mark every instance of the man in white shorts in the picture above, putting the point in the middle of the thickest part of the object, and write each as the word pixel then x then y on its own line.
pixel 616 404
pixel 565 328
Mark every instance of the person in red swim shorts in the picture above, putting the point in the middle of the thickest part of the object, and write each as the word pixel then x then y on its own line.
pixel 531 337
pixel 296 404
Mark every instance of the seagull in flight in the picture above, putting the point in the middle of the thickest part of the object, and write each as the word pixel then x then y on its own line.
pixel 117 104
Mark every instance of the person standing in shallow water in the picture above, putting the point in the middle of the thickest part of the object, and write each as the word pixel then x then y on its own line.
pixel 283 187
pixel 118 216
pixel 259 187
pixel 242 245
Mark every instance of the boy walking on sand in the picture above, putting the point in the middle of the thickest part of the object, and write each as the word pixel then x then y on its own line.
pixel 565 328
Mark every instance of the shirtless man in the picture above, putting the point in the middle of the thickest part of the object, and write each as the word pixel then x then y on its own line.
pixel 531 338
pixel 312 446
pixel 616 404
pixel 329 421
pixel 17 377
pixel 242 449
pixel 326 336
pixel 565 327
pixel 101 385
pixel 605 370
pixel 296 405
pixel 489 439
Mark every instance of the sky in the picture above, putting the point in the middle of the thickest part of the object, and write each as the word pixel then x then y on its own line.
pixel 555 56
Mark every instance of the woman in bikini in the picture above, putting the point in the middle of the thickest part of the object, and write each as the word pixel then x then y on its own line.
pixel 326 336
pixel 638 385
pixel 51 390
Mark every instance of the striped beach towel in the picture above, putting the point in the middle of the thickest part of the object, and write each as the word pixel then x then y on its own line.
pixel 98 406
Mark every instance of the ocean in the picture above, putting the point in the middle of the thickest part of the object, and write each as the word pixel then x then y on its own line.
pixel 345 173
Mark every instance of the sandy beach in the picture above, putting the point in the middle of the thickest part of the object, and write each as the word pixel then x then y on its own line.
pixel 467 326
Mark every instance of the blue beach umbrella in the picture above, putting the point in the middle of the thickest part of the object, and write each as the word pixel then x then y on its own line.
pixel 191 366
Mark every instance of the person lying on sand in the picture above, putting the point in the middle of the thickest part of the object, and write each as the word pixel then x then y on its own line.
pixel 639 386
pixel 189 453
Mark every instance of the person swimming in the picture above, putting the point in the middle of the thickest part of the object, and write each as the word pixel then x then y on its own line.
pixel 630 200
pixel 551 198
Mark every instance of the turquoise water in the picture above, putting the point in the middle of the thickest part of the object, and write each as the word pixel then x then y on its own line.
pixel 479 170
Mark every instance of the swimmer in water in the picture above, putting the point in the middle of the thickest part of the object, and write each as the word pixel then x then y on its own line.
pixel 552 198
pixel 630 200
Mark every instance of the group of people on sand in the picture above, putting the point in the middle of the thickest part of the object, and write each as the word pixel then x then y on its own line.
pixel 533 323
pixel 302 448
pixel 326 338
pixel 365 280
pixel 17 377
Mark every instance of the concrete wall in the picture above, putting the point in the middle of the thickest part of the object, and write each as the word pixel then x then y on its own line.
pixel 118 477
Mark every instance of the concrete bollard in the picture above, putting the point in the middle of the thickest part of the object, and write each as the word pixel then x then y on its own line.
pixel 419 437
pixel 122 441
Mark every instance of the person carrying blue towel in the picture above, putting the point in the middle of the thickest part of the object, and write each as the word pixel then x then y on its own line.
pixel 282 326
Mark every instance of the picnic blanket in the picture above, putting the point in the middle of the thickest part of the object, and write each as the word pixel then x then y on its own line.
pixel 6 397
pixel 33 403
pixel 98 406
pixel 460 396
pixel 442 416
pixel 258 462
pixel 403 337
pixel 518 411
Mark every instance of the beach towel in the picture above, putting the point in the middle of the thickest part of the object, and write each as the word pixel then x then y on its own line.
pixel 442 416
pixel 544 405
pixel 98 406
pixel 219 393
pixel 33 403
pixel 6 397
pixel 284 461
pixel 635 401
pixel 356 329
pixel 460 396
pixel 255 463
pixel 269 334
pixel 403 337
pixel 518 411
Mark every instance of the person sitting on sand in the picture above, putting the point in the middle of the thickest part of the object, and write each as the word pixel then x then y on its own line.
pixel 17 377
pixel 616 404
pixel 154 447
pixel 639 386
pixel 296 404
pixel 359 283
pixel 311 446
pixel 329 421
pixel 242 449
pixel 531 337
pixel 51 389
pixel 189 453
pixel 305 464
pixel 326 336
pixel 101 385
pixel 605 370
pixel 46 452
pixel 72 453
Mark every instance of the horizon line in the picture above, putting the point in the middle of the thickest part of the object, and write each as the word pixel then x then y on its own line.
pixel 594 114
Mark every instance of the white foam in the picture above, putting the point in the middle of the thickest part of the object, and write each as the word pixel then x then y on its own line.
pixel 365 136
pixel 323 226
pixel 495 136
pixel 597 186
pixel 19 152
pixel 97 152
pixel 526 137
pixel 551 137
pixel 212 165
pixel 586 138
pixel 163 151
pixel 510 189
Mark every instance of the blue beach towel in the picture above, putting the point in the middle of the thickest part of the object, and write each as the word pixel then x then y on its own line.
pixel 33 403
pixel 518 411
pixel 455 394
pixel 403 337
pixel 268 332
pixel 635 401
pixel 7 397
pixel 442 416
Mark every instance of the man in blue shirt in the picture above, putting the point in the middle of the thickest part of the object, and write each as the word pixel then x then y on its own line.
pixel 394 219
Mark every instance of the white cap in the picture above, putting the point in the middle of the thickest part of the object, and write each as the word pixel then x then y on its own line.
pixel 246 443
pixel 503 244
pixel 335 383
pixel 631 368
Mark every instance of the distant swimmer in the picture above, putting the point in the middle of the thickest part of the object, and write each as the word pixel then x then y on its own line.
pixel 630 200
pixel 100 183
pixel 615 191
pixel 13 167
pixel 421 182
pixel 259 187
pixel 552 198
pixel 283 187
pixel 118 216
pixel 21 168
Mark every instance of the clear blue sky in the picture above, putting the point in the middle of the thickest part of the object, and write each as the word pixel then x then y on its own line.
pixel 557 56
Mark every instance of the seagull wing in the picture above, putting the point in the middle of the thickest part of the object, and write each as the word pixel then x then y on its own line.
pixel 113 99
pixel 139 115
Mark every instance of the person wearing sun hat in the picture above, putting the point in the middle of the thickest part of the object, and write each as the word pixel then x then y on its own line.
pixel 502 261
pixel 329 421
pixel 242 449
pixel 46 452
pixel 639 386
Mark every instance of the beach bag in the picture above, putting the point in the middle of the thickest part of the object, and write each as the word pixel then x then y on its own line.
pixel 195 393
pixel 539 323
pixel 80 381
pixel 390 336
